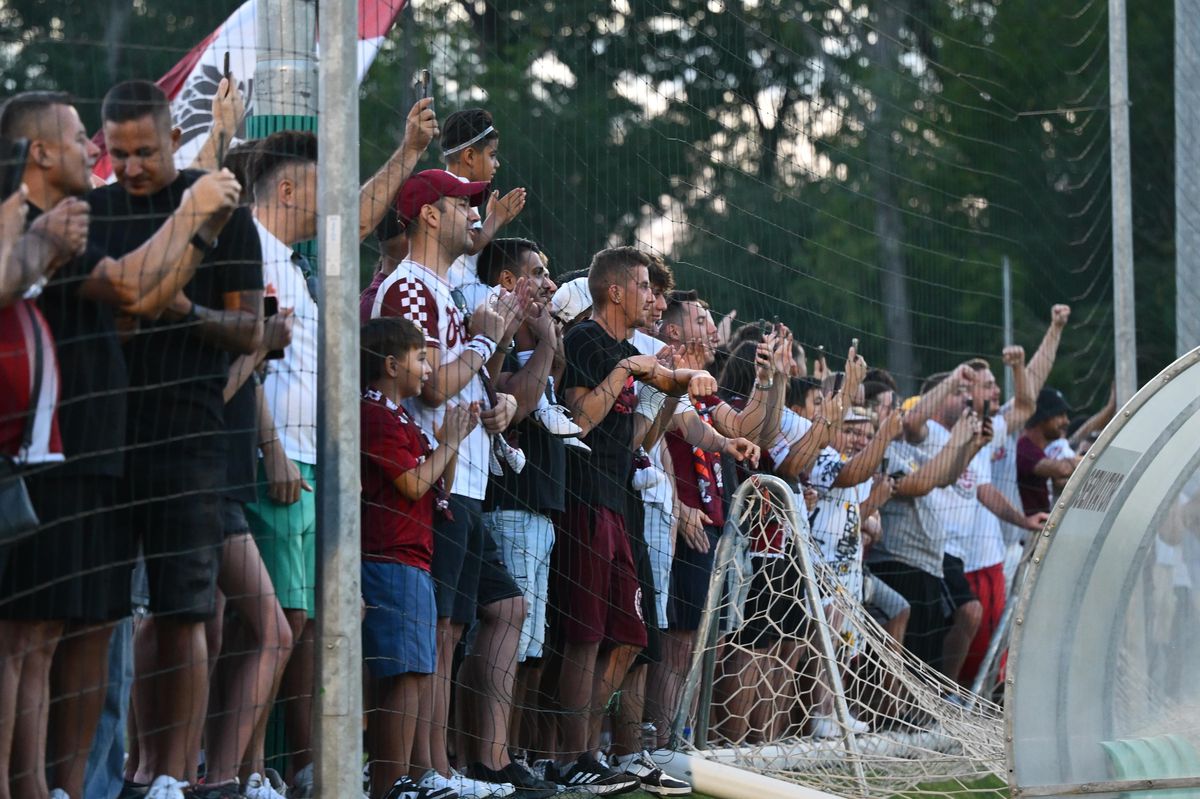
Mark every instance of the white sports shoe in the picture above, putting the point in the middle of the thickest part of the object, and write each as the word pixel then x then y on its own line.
pixel 654 780
pixel 165 787
pixel 268 785
pixel 465 787
pixel 647 477
pixel 513 456
pixel 468 787
pixel 557 421
pixel 828 727
pixel 571 441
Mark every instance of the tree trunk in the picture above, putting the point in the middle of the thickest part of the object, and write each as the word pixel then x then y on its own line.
pixel 889 228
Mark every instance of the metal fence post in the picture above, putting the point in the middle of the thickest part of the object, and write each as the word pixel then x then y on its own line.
pixel 338 700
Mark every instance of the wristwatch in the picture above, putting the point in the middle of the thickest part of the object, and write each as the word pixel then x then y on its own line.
pixel 203 246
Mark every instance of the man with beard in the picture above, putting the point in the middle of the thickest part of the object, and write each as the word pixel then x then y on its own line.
pixel 1034 467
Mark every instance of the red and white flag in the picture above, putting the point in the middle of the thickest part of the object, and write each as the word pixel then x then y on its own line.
pixel 192 83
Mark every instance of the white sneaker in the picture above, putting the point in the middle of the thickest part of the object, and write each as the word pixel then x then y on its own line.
pixel 436 784
pixel 557 421
pixel 165 787
pixel 646 478
pixel 571 441
pixel 654 780
pixel 828 727
pixel 467 787
pixel 268 785
pixel 513 456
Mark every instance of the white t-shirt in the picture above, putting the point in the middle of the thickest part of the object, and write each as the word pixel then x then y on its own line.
pixel 837 527
pixel 1004 477
pixel 957 504
pixel 464 274
pixel 418 293
pixel 660 493
pixel 290 385
pixel 913 532
pixel 986 548
pixel 792 428
pixel 1059 449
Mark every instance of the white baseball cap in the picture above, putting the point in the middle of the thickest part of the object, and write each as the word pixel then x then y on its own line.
pixel 571 299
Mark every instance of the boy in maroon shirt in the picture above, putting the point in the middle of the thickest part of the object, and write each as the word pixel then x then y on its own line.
pixel 404 478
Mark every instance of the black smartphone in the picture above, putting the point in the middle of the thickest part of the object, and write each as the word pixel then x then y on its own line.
pixel 227 72
pixel 883 464
pixel 987 409
pixel 270 308
pixel 13 155
pixel 422 85
pixel 838 380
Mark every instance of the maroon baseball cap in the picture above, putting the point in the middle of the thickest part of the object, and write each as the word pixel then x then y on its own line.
pixel 426 188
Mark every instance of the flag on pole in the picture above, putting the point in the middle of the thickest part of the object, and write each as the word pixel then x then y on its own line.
pixel 191 84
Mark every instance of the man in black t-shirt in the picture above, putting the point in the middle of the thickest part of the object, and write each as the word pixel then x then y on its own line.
pixel 178 365
pixel 519 506
pixel 597 587
pixel 70 581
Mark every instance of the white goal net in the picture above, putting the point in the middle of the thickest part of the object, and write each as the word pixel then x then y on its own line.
pixel 804 685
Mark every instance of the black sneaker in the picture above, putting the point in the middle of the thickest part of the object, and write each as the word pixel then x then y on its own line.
pixel 133 790
pixel 588 775
pixel 226 790
pixel 406 788
pixel 528 785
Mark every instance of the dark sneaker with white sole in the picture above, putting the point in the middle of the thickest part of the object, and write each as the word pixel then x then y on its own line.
pixel 589 775
pixel 528 785
pixel 406 788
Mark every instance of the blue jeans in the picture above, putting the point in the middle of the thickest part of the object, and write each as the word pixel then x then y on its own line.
pixel 106 762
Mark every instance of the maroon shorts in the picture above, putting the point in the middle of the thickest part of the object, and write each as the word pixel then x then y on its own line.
pixel 988 585
pixel 597 589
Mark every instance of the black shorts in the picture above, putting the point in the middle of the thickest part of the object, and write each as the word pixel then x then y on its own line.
pixel 457 555
pixel 926 595
pixel 495 583
pixel 77 566
pixel 690 575
pixel 233 518
pixel 635 517
pixel 958 590
pixel 777 607
pixel 175 510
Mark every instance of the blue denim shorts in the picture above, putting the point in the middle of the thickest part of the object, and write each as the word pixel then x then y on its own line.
pixel 399 633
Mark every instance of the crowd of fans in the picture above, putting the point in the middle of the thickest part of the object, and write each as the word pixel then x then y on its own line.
pixel 547 463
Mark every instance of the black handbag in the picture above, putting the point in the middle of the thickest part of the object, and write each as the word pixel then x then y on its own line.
pixel 18 517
